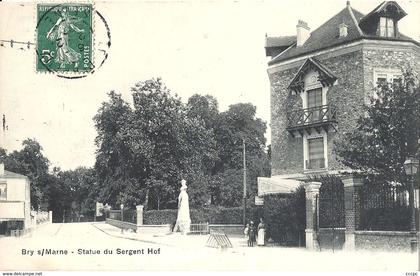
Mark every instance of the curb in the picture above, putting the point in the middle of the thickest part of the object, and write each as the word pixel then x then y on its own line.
pixel 131 238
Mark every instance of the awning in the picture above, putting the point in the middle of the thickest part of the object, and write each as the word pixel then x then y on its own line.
pixel 276 185
pixel 12 210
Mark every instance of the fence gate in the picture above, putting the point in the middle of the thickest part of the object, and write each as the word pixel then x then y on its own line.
pixel 330 216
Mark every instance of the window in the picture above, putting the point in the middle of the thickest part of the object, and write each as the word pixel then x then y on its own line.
pixel 314 97
pixel 386 27
pixel 3 191
pixel 315 153
pixel 381 79
pixel 314 100
pixel 383 76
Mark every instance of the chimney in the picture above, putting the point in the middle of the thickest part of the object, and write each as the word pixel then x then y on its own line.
pixel 302 33
pixel 342 29
pixel 1 168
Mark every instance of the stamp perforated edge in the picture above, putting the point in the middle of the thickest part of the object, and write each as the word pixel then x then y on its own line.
pixel 71 74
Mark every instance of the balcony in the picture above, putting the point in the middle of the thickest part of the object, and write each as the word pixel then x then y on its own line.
pixel 314 118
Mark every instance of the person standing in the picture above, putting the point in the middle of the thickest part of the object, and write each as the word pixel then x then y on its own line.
pixel 251 234
pixel 261 233
pixel 246 231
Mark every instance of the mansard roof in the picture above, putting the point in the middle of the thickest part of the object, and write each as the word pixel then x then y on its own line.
pixel 326 77
pixel 327 35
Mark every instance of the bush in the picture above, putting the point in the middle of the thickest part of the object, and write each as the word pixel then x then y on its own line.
pixel 157 217
pixel 388 219
pixel 214 215
pixel 285 217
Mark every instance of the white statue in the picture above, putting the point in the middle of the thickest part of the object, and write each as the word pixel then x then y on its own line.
pixel 183 221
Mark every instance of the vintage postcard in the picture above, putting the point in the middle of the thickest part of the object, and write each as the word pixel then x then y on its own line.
pixel 209 135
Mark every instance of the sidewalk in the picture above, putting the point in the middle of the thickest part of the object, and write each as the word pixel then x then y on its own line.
pixel 273 257
pixel 172 239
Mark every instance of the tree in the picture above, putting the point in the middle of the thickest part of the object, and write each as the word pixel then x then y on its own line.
pixel 144 152
pixel 113 160
pixel 31 162
pixel 387 134
pixel 205 108
pixel 181 146
pixel 239 123
pixel 78 192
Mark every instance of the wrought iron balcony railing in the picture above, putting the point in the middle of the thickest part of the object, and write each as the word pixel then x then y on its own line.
pixel 312 115
pixel 313 164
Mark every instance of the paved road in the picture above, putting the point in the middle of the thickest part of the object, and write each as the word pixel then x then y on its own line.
pixel 83 240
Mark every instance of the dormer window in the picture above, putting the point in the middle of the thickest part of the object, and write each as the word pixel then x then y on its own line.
pixel 386 27
pixel 383 20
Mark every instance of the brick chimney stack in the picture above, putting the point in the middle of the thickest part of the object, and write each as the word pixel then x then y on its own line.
pixel 302 33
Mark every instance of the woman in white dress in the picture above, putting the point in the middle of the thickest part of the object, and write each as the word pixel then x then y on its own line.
pixel 261 233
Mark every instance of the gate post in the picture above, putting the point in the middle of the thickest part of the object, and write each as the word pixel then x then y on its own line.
pixel 352 185
pixel 139 210
pixel 311 192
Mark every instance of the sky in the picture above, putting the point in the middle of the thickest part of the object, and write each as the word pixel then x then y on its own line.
pixel 205 47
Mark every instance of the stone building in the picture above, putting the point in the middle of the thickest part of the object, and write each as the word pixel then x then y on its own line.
pixel 15 205
pixel 319 83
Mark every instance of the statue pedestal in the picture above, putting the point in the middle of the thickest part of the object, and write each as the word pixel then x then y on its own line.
pixel 184 227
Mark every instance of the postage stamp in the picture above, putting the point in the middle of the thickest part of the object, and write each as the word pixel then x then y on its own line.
pixel 64 38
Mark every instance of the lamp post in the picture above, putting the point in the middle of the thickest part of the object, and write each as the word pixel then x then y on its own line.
pixel 244 191
pixel 122 217
pixel 411 167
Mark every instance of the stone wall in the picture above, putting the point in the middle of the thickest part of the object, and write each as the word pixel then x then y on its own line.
pixel 387 59
pixel 355 73
pixel 284 160
pixel 383 240
pixel 124 224
pixel 228 229
pixel 330 239
pixel 141 229
pixel 154 229
pixel 346 95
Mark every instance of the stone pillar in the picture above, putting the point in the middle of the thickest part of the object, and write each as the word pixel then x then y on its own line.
pixel 50 216
pixel 311 191
pixel 139 209
pixel 352 206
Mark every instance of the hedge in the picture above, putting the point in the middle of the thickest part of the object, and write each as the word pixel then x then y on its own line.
pixel 285 217
pixel 214 215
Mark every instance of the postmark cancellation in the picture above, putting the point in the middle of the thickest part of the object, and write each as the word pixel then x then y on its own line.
pixel 64 38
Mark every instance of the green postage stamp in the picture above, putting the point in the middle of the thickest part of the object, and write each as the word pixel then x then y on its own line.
pixel 64 38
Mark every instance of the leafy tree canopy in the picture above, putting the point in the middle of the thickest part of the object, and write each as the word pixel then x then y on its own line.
pixel 388 132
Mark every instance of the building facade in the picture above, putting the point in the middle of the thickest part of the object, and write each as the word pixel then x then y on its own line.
pixel 15 205
pixel 319 83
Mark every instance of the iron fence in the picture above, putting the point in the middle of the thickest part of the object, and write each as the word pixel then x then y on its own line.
pixel 331 212
pixel 200 228
pixel 385 207
pixel 129 215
